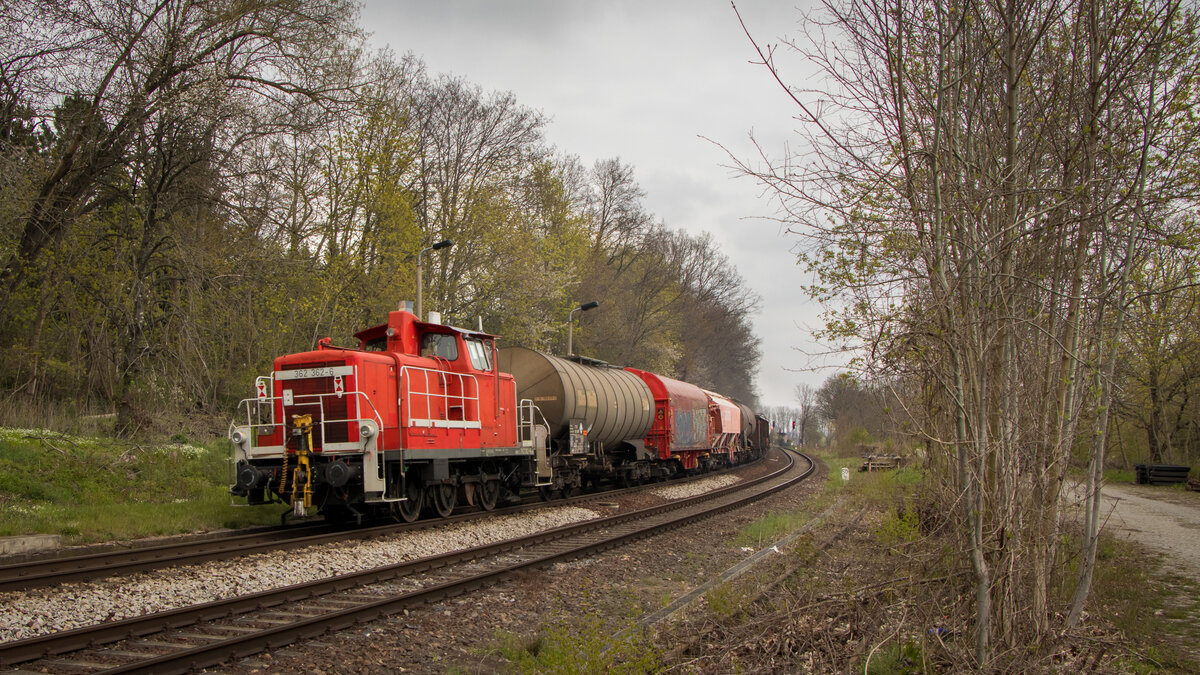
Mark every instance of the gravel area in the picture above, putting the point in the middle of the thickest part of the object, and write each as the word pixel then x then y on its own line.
pixel 696 488
pixel 1165 520
pixel 464 634
pixel 39 611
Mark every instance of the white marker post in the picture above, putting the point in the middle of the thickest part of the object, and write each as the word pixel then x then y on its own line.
pixel 845 474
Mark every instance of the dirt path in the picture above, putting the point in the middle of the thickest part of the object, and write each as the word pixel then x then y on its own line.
pixel 1160 518
pixel 1164 521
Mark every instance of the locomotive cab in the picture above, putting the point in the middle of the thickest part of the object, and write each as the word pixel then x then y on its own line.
pixel 417 414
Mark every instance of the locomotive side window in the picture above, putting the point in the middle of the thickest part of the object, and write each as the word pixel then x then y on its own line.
pixel 439 345
pixel 481 354
pixel 379 344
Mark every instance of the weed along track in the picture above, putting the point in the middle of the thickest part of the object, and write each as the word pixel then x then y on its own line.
pixel 206 634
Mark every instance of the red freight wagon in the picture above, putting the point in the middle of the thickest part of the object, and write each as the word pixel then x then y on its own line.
pixel 680 429
pixel 724 425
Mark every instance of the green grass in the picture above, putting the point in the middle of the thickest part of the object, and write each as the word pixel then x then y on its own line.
pixel 770 528
pixel 726 600
pixel 1119 476
pixel 591 644
pixel 94 489
pixel 899 526
pixel 895 659
pixel 874 486
pixel 877 488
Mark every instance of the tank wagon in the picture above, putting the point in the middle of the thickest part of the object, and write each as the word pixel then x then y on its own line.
pixel 422 416
pixel 598 416
pixel 624 423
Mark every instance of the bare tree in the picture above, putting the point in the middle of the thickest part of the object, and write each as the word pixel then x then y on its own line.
pixel 806 398
pixel 980 193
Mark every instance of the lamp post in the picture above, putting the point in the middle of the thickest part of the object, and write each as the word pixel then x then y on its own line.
pixel 571 323
pixel 445 243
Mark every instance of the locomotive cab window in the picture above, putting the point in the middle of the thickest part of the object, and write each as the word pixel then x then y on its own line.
pixel 378 344
pixel 439 345
pixel 481 354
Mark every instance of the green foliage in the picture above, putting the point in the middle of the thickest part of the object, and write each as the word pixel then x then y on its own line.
pixel 770 528
pixel 900 526
pixel 590 645
pixel 89 489
pixel 1120 476
pixel 206 250
pixel 727 600
pixel 896 659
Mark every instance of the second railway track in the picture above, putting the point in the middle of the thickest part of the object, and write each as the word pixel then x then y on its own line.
pixel 55 570
pixel 215 632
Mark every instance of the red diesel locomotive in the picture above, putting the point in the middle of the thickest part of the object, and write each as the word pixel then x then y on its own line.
pixel 423 415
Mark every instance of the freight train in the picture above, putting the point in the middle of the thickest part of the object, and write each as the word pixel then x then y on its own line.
pixel 422 417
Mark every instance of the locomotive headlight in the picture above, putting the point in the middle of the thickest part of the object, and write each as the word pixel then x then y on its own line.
pixel 240 436
pixel 367 433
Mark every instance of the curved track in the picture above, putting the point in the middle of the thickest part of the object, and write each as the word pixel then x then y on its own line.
pixel 57 570
pixel 208 634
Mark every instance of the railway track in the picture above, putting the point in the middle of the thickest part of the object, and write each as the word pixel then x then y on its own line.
pixel 90 566
pixel 208 634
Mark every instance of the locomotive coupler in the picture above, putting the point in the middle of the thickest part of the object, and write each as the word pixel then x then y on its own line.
pixel 302 476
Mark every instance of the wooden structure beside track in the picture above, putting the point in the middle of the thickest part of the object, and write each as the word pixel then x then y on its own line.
pixel 881 462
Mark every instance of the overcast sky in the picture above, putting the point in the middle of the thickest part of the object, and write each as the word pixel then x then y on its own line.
pixel 647 81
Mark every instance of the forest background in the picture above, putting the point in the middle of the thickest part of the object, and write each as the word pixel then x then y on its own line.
pixel 193 188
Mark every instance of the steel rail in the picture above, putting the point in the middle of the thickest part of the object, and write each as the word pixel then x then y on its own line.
pixel 86 567
pixel 196 657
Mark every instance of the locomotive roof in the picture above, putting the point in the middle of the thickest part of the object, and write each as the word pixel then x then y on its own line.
pixel 422 326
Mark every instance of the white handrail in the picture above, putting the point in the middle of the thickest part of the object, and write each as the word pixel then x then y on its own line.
pixel 419 406
pixel 526 421
pixel 362 401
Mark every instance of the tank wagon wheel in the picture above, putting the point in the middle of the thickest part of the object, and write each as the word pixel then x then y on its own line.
pixel 489 494
pixel 410 509
pixel 443 498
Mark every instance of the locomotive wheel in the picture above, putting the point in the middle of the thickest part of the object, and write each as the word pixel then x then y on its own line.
pixel 546 493
pixel 410 509
pixel 489 494
pixel 445 498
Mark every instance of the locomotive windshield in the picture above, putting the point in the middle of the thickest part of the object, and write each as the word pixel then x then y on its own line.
pixel 439 345
pixel 481 354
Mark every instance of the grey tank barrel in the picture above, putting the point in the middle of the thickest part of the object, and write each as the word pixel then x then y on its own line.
pixel 614 404
pixel 747 419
